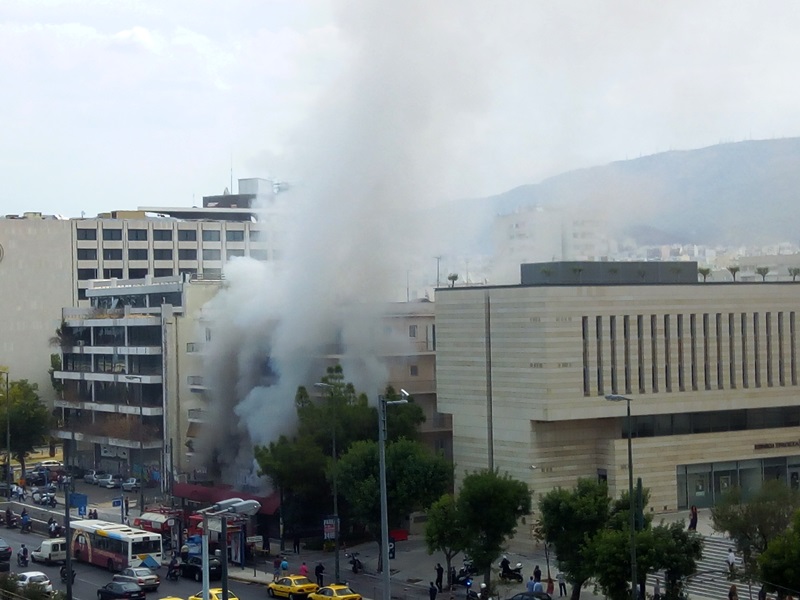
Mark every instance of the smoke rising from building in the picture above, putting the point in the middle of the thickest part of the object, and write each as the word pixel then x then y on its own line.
pixel 378 150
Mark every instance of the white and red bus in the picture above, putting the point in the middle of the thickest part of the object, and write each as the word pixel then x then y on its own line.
pixel 115 546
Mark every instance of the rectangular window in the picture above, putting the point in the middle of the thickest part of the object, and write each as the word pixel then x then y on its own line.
pixel 211 235
pixel 137 253
pixel 137 235
pixel 233 253
pixel 585 336
pixel 412 331
pixel 756 350
pixel 781 366
pixel 112 253
pixel 162 254
pixel 654 352
pixel 162 272
pixel 259 254
pixel 85 274
pixel 162 235
pixel 187 254
pixel 693 349
pixel 626 337
pixel 413 370
pixel 612 334
pixel 640 351
pixel 112 273
pixel 706 366
pixel 718 332
pixel 112 235
pixel 256 235
pixel 209 254
pixel 732 349
pixel 86 234
pixel 598 325
pixel 187 271
pixel 187 235
pixel 745 366
pixel 87 253
pixel 681 358
pixel 137 273
pixel 667 354
pixel 768 334
pixel 234 236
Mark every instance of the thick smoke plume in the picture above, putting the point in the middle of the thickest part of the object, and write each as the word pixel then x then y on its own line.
pixel 380 148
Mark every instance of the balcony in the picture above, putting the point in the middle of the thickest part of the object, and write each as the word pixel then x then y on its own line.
pixel 112 430
pixel 197 415
pixel 415 386
pixel 195 382
pixel 104 397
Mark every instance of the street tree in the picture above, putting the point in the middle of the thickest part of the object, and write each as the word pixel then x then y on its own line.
pixel 763 271
pixel 489 505
pixel 704 273
pixel 29 418
pixel 570 519
pixel 415 479
pixel 794 272
pixel 779 564
pixel 444 531
pixel 754 523
pixel 734 269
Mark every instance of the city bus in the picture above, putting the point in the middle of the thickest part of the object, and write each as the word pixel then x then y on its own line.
pixel 115 546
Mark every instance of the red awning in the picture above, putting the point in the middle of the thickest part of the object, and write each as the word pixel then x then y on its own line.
pixel 209 495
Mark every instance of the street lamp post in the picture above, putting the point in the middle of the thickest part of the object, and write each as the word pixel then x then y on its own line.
pixel 634 582
pixel 9 478
pixel 329 387
pixel 385 574
pixel 223 509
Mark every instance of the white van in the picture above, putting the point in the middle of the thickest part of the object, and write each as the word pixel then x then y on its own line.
pixel 51 551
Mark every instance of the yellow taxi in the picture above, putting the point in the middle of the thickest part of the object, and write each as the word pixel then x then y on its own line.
pixel 171 598
pixel 214 594
pixel 336 590
pixel 291 586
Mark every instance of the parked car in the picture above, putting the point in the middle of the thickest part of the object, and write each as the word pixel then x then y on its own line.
pixel 110 481
pixel 92 475
pixel 142 576
pixel 214 594
pixel 37 477
pixel 5 550
pixel 131 484
pixel 193 568
pixel 335 590
pixel 38 578
pixel 50 464
pixel 119 590
pixel 294 587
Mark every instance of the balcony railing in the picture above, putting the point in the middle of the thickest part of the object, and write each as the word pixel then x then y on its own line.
pixel 115 427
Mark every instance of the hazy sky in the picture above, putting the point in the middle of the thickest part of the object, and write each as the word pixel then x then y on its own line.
pixel 111 104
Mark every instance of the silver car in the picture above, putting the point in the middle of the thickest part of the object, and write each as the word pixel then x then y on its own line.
pixel 131 484
pixel 144 577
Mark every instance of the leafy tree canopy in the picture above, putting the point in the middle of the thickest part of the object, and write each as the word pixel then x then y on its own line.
pixel 444 531
pixel 752 525
pixel 29 418
pixel 779 564
pixel 489 506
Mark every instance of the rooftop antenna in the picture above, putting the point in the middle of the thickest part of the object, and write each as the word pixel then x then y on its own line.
pixel 438 260
pixel 231 172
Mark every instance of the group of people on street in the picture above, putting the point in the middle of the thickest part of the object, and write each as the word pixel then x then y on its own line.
pixel 280 567
pixel 535 583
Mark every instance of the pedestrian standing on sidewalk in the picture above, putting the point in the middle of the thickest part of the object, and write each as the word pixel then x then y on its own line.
pixel 296 543
pixel 319 571
pixel 693 518
pixel 304 570
pixel 284 566
pixel 127 506
pixel 550 586
pixel 530 585
pixel 562 584
pixel 537 573
pixel 439 576
pixel 276 567
pixel 432 591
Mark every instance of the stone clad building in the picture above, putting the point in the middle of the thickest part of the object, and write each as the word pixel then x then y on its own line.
pixel 710 368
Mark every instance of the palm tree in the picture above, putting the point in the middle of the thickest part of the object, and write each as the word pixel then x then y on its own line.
pixel 577 271
pixel 734 270
pixel 763 272
pixel 704 273
pixel 794 272
pixel 452 278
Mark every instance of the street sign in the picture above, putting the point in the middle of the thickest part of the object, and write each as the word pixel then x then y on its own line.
pixel 329 528
pixel 116 502
pixel 82 510
pixel 391 547
pixel 77 500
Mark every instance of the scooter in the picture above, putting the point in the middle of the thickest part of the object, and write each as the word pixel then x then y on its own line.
pixel 510 574
pixel 464 574
pixel 9 521
pixel 22 561
pixel 64 575
pixel 355 562
pixel 173 574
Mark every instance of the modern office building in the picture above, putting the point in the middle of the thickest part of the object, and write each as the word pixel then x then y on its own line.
pixel 711 370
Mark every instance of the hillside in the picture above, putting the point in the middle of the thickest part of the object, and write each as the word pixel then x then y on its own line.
pixel 737 193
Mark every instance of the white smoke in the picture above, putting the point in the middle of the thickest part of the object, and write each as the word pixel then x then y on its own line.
pixel 380 148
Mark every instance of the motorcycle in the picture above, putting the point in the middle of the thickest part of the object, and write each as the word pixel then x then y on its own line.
pixel 10 521
pixel 64 575
pixel 44 499
pixel 22 560
pixel 479 594
pixel 355 562
pixel 173 574
pixel 464 574
pixel 509 574
pixel 26 526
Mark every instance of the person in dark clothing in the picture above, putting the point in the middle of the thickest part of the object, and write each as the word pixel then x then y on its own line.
pixel 319 570
pixel 439 576
pixel 693 518
pixel 296 543
pixel 432 591
pixel 537 573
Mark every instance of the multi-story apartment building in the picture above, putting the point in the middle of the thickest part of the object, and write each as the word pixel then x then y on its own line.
pixel 711 370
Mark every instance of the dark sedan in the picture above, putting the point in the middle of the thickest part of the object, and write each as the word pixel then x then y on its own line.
pixel 118 590
pixel 193 568
pixel 531 596
pixel 5 550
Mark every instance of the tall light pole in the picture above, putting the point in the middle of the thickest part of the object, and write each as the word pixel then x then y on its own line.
pixel 330 388
pixel 139 380
pixel 385 574
pixel 9 478
pixel 634 582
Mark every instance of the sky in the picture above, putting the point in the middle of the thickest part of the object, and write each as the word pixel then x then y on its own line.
pixel 115 104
